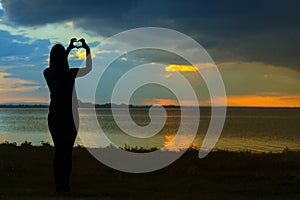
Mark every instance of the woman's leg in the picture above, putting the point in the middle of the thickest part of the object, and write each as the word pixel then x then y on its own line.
pixel 72 127
pixel 68 150
pixel 56 134
pixel 59 162
pixel 63 132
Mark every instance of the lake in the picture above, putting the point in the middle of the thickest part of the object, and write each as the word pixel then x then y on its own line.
pixel 255 129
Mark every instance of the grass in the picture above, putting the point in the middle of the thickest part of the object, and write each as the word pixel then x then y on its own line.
pixel 26 173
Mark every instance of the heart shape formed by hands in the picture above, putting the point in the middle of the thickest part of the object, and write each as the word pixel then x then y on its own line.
pixel 77 44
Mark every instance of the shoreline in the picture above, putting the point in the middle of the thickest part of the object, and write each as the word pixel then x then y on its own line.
pixel 137 149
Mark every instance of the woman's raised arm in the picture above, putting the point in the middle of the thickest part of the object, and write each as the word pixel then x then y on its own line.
pixel 88 60
pixel 71 46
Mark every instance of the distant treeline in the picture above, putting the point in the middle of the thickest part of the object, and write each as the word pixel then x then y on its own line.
pixel 110 105
pixel 82 105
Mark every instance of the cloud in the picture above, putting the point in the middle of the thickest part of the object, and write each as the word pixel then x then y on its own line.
pixel 19 90
pixel 80 54
pixel 11 84
pixel 249 78
pixel 55 33
pixel 180 68
pixel 249 31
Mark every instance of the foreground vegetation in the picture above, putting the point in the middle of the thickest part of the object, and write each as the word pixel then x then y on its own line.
pixel 26 173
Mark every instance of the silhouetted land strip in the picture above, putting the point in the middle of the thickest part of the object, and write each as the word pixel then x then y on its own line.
pixel 109 105
pixel 26 173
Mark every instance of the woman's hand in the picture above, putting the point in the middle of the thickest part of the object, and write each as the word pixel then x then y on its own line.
pixel 71 45
pixel 84 45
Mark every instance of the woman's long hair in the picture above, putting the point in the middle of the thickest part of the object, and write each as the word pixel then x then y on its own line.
pixel 58 57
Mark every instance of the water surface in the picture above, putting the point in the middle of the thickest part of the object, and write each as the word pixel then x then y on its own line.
pixel 257 129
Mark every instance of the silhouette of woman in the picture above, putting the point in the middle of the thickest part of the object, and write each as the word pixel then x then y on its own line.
pixel 63 117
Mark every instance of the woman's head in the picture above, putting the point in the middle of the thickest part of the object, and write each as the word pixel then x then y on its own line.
pixel 58 57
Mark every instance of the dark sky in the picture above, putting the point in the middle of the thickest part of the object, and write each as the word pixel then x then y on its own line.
pixel 256 31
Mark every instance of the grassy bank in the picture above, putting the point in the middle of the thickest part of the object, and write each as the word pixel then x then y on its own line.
pixel 26 173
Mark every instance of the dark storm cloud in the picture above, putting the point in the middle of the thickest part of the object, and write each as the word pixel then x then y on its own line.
pixel 40 12
pixel 257 31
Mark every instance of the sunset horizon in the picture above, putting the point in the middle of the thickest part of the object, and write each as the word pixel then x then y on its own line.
pixel 143 100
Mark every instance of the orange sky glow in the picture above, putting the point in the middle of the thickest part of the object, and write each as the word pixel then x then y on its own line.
pixel 264 101
pixel 250 101
pixel 23 100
